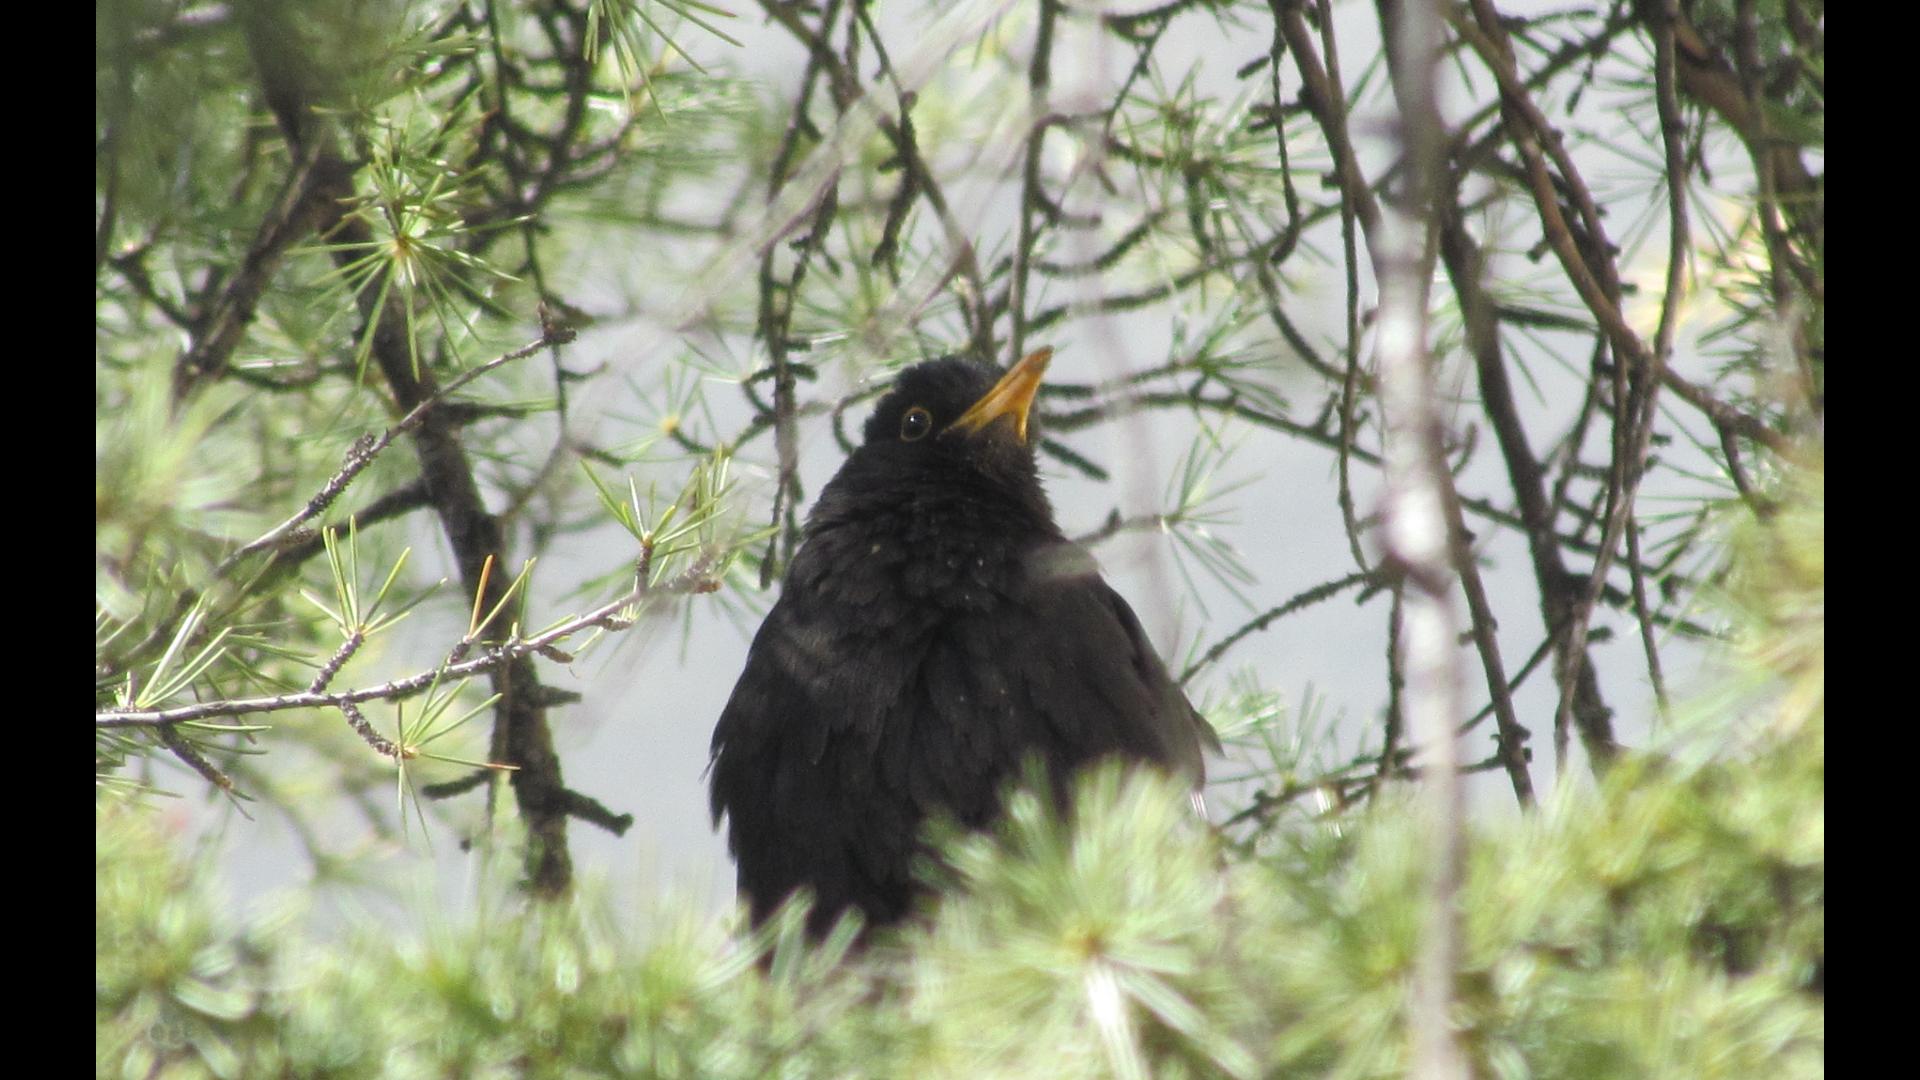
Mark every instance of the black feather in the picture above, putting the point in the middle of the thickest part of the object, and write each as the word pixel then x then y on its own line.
pixel 935 630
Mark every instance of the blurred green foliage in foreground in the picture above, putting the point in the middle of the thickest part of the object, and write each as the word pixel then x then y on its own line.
pixel 1669 923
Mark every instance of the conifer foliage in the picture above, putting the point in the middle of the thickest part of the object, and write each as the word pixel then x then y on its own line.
pixel 401 304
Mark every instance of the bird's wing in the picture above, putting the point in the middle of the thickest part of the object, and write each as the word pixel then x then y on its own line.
pixel 786 769
pixel 1063 672
pixel 1153 671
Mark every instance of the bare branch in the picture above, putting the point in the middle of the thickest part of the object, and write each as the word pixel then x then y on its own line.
pixel 1323 591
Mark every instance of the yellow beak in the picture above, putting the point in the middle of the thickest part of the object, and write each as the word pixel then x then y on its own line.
pixel 1011 396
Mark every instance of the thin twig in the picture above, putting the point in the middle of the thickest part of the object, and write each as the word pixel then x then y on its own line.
pixel 363 451
pixel 1333 101
pixel 1396 683
pixel 1308 598
pixel 196 761
pixel 1679 251
pixel 697 578
pixel 357 720
pixel 1039 76
pixel 1511 737
pixel 302 206
pixel 335 662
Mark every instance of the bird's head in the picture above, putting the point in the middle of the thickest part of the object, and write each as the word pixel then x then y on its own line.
pixel 953 425
pixel 954 412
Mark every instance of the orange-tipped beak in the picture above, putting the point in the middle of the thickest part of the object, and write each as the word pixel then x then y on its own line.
pixel 1011 396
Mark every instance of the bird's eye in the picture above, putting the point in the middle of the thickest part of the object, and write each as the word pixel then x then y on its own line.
pixel 915 424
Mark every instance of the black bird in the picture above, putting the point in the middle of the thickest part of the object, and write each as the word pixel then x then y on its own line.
pixel 935 630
